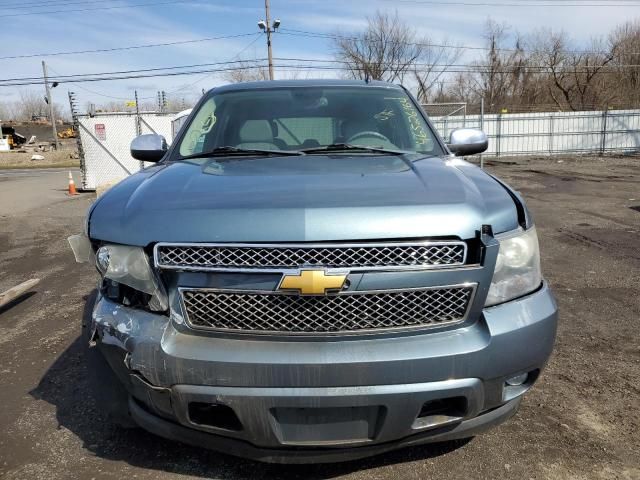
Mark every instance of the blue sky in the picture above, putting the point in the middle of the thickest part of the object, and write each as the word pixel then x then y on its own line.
pixel 201 18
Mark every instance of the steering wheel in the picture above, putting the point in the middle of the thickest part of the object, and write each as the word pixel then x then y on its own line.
pixel 370 134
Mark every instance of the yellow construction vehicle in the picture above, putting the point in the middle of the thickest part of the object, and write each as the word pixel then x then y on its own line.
pixel 68 133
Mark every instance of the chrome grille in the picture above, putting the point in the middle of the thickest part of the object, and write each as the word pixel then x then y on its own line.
pixel 346 312
pixel 351 256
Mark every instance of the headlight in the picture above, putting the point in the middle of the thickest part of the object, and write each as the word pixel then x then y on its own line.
pixel 517 270
pixel 130 266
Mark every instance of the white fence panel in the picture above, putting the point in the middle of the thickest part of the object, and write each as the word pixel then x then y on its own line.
pixel 105 142
pixel 550 133
pixel 157 123
pixel 106 139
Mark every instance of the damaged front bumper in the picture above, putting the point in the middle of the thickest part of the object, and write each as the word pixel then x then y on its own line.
pixel 312 401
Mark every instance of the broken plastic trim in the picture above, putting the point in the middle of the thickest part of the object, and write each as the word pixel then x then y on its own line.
pixel 127 265
pixel 81 247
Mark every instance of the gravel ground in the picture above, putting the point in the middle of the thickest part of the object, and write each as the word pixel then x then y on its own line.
pixel 580 420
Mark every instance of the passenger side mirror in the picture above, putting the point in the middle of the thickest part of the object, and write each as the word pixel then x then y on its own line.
pixel 149 148
pixel 467 141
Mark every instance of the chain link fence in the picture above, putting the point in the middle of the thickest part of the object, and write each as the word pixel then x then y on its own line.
pixel 105 141
pixel 456 111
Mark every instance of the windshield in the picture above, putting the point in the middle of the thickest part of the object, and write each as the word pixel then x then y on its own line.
pixel 307 118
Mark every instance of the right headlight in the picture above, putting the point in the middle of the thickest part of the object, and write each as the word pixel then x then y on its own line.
pixel 123 265
pixel 130 266
pixel 517 270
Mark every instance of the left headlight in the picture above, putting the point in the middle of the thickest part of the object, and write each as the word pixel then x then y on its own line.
pixel 517 270
pixel 130 266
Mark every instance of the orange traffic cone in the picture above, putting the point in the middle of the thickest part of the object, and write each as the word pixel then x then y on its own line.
pixel 72 185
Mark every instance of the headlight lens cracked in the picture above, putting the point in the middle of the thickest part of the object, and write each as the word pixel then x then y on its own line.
pixel 130 266
pixel 517 270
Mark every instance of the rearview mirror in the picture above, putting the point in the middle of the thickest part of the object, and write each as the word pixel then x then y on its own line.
pixel 467 141
pixel 149 148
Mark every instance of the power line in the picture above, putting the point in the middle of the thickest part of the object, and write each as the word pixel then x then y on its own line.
pixel 236 56
pixel 131 47
pixel 240 52
pixel 132 5
pixel 282 31
pixel 101 94
pixel 452 68
pixel 22 5
pixel 62 78
pixel 505 4
pixel 473 66
pixel 149 75
pixel 304 33
pixel 285 67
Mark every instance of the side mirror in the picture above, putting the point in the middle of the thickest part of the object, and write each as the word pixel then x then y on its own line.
pixel 149 148
pixel 467 141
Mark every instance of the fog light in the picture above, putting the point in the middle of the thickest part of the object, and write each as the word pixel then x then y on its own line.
pixel 517 380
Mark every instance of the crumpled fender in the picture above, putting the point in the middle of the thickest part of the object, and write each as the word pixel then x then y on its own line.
pixel 125 327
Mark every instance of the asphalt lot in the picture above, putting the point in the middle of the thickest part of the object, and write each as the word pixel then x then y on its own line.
pixel 580 421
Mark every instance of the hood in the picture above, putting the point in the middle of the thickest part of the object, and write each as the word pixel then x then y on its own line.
pixel 302 198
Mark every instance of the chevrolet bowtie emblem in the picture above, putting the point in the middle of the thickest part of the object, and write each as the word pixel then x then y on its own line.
pixel 312 282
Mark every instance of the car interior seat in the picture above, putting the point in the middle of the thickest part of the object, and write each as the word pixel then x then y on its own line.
pixel 258 134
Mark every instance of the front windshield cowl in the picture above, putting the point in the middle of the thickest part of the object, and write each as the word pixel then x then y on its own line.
pixel 229 151
pixel 296 120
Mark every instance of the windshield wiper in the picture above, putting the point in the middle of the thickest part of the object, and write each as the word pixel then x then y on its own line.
pixel 228 150
pixel 339 147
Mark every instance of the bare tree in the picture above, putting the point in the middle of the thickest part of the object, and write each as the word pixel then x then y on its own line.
pixel 386 50
pixel 30 105
pixel 626 64
pixel 434 62
pixel 7 111
pixel 246 71
pixel 577 77
pixel 504 77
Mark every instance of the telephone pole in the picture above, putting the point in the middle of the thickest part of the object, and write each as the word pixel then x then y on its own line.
pixel 269 29
pixel 50 102
pixel 269 53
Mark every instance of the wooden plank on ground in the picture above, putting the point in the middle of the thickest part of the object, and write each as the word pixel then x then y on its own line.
pixel 17 291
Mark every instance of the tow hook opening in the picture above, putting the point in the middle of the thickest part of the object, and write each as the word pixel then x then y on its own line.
pixel 214 415
pixel 441 411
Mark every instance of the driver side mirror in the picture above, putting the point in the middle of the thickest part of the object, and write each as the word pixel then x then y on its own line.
pixel 149 148
pixel 467 141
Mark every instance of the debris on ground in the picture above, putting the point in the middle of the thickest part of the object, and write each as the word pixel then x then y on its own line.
pixel 16 292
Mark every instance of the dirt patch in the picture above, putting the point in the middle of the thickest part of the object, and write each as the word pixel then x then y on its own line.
pixel 65 157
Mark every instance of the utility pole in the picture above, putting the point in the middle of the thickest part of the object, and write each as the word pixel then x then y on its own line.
pixel 269 29
pixel 269 52
pixel 50 102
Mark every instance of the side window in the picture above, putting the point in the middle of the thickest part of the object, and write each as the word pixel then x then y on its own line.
pixel 200 127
